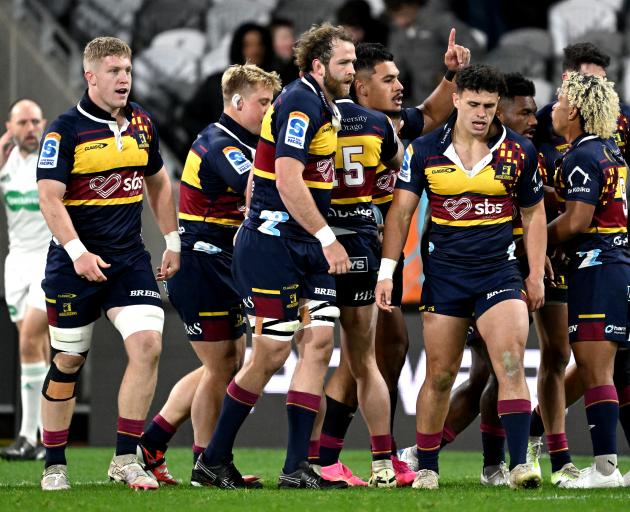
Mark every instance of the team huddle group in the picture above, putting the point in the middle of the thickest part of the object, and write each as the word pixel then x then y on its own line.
pixel 280 226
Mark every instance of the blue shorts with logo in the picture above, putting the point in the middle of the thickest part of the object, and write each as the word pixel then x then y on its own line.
pixel 204 294
pixel 599 307
pixel 272 273
pixel 466 292
pixel 72 301
pixel 356 288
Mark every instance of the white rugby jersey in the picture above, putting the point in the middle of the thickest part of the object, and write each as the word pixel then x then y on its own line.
pixel 28 230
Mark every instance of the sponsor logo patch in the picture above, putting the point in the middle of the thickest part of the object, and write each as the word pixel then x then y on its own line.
pixel 237 159
pixel 50 151
pixel 296 130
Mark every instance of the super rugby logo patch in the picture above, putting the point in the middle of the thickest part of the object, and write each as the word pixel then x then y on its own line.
pixel 296 130
pixel 50 151
pixel 237 159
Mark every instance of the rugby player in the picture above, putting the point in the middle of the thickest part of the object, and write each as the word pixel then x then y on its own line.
pixel 29 237
pixel 474 170
pixel 286 257
pixel 376 87
pixel 211 208
pixel 593 230
pixel 93 165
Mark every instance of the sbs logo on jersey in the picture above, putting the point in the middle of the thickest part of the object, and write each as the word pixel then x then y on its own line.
pixel 50 151
pixel 105 187
pixel 237 159
pixel 296 130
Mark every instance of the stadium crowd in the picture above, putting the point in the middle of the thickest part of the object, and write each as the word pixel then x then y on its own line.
pixel 304 163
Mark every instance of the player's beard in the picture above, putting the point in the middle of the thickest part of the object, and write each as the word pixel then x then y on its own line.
pixel 333 86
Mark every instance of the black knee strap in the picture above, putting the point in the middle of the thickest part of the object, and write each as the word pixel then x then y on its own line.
pixel 60 386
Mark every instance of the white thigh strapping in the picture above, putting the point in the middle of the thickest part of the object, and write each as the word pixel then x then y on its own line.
pixel 139 317
pixel 74 340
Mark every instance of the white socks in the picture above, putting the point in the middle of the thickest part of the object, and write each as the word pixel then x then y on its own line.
pixel 31 383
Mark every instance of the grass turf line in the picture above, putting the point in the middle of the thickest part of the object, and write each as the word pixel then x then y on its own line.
pixel 459 488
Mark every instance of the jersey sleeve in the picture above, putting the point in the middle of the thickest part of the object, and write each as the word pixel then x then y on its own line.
pixel 413 123
pixel 389 147
pixel 230 164
pixel 529 189
pixel 411 174
pixel 582 175
pixel 56 152
pixel 297 123
pixel 155 162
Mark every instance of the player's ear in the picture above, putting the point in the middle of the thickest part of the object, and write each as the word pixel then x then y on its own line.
pixel 456 100
pixel 318 68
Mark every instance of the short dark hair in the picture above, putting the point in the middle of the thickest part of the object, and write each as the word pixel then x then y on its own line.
pixel 394 5
pixel 280 22
pixel 371 54
pixel 583 53
pixel 480 77
pixel 517 85
pixel 317 43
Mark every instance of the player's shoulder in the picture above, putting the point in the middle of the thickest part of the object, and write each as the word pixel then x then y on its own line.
pixel 67 123
pixel 588 150
pixel 356 114
pixel 298 96
pixel 521 140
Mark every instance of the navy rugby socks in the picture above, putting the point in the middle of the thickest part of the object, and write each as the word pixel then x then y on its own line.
pixel 336 423
pixel 301 411
pixel 55 444
pixel 428 448
pixel 158 434
pixel 128 434
pixel 602 413
pixel 493 443
pixel 237 404
pixel 515 417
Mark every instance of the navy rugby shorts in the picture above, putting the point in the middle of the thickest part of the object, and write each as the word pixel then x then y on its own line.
pixel 356 288
pixel 72 301
pixel 204 294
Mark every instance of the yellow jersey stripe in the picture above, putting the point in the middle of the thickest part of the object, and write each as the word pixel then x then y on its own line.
pixel 214 313
pixel 213 220
pixel 103 202
pixel 618 229
pixel 319 184
pixel 595 315
pixel 473 222
pixel 266 292
pixel 352 200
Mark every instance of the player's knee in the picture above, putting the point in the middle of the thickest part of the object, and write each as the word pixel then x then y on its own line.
pixel 554 360
pixel 511 365
pixel 61 381
pixel 140 318
pixel 147 347
pixel 442 380
pixel 318 313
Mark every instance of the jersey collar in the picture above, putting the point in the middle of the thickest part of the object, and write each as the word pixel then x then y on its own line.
pixel 312 84
pixel 92 111
pixel 243 135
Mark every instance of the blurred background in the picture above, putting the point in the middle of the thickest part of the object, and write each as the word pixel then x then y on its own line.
pixel 181 48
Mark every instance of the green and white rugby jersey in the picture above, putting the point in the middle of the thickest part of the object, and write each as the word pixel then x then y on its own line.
pixel 18 185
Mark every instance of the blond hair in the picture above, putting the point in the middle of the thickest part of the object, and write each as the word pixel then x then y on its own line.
pixel 597 101
pixel 239 77
pixel 317 43
pixel 102 47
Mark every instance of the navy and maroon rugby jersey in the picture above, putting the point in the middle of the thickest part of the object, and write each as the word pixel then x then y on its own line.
pixel 472 211
pixel 412 120
pixel 593 171
pixel 365 140
pixel 103 167
pixel 301 125
pixel 212 190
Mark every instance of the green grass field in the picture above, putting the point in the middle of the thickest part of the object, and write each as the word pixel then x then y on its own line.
pixel 459 489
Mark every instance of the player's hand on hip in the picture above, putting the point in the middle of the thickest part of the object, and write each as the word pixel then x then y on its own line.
pixel 337 258
pixel 170 265
pixel 383 294
pixel 535 292
pixel 89 265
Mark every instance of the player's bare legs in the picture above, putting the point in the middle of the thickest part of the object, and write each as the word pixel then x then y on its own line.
pixel 176 410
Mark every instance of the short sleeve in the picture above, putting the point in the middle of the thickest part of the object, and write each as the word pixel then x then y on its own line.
pixel 413 123
pixel 297 123
pixel 155 162
pixel 230 164
pixel 583 178
pixel 411 174
pixel 56 152
pixel 529 189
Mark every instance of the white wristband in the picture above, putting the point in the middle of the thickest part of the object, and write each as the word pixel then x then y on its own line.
pixel 386 270
pixel 173 243
pixel 75 249
pixel 326 236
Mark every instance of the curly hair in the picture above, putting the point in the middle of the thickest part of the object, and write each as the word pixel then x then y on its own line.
pixel 239 77
pixel 102 47
pixel 317 43
pixel 583 53
pixel 597 101
pixel 480 77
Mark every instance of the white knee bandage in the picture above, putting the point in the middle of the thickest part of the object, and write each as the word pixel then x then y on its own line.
pixel 74 340
pixel 274 329
pixel 139 317
pixel 318 313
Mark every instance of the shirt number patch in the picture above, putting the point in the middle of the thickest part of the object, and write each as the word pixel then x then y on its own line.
pixel 50 151
pixel 296 130
pixel 237 159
